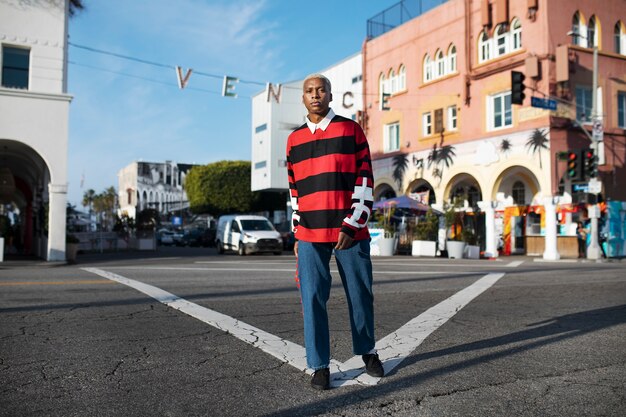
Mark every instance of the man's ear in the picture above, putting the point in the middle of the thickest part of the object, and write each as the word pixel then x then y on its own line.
pixel 331 97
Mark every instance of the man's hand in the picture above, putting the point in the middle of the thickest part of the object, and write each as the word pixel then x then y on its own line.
pixel 295 249
pixel 344 241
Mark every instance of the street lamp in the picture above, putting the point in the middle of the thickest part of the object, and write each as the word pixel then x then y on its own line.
pixel 594 251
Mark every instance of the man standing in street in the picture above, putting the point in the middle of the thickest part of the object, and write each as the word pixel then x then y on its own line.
pixel 331 183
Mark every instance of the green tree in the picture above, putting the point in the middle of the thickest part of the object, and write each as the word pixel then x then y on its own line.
pixel 221 187
pixel 104 205
pixel 88 198
pixel 536 142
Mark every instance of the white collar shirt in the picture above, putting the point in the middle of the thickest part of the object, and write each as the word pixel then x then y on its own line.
pixel 323 124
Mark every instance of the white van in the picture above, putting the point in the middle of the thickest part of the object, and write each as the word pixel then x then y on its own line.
pixel 247 234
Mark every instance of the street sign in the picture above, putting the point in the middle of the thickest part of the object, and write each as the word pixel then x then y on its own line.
pixel 177 221
pixel 595 186
pixel 543 103
pixel 580 188
pixel 597 132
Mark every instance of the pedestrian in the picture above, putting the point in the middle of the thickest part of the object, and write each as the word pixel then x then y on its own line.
pixel 330 183
pixel 581 237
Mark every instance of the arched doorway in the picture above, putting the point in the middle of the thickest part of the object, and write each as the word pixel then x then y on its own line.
pixel 466 188
pixel 24 201
pixel 383 192
pixel 425 191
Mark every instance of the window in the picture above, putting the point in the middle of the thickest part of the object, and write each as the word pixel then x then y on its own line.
pixel 499 111
pixel 592 33
pixel 15 67
pixel 452 118
pixel 578 28
pixel 440 64
pixel 427 124
pixel 583 104
pixel 501 40
pixel 357 79
pixel 439 121
pixel 428 71
pixel 393 82
pixel 402 78
pixel 381 84
pixel 619 38
pixel 392 137
pixel 516 35
pixel 260 128
pixel 519 193
pixel 260 165
pixel 484 48
pixel 621 109
pixel 452 59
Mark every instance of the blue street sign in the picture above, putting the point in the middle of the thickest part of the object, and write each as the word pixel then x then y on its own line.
pixel 177 221
pixel 580 187
pixel 543 103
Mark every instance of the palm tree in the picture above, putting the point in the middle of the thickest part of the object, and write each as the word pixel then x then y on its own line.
pixel 400 164
pixel 505 145
pixel 536 142
pixel 88 197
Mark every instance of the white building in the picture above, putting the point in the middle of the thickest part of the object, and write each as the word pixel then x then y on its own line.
pixel 156 185
pixel 34 113
pixel 277 112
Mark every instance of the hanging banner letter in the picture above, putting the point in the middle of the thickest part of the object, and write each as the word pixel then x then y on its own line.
pixel 229 86
pixel 347 94
pixel 270 92
pixel 182 81
pixel 384 101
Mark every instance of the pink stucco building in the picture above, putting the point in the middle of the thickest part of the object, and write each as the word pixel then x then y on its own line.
pixel 445 79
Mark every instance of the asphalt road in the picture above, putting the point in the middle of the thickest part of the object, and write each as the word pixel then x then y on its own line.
pixel 221 335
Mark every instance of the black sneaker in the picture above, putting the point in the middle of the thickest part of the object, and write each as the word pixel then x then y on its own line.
pixel 373 365
pixel 321 379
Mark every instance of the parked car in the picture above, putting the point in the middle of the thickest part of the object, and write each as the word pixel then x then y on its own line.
pixel 247 234
pixel 198 237
pixel 286 235
pixel 165 237
pixel 177 236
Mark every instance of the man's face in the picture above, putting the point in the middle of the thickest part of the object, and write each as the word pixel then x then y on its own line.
pixel 316 97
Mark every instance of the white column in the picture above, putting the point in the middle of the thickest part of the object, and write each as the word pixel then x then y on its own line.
pixel 594 251
pixel 56 222
pixel 491 247
pixel 551 252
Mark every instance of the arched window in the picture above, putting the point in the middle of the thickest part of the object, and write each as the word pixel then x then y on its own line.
pixel 452 59
pixel 592 32
pixel 502 46
pixel 428 70
pixel 402 78
pixel 393 81
pixel 516 35
pixel 484 47
pixel 381 84
pixel 619 38
pixel 519 193
pixel 578 30
pixel 440 64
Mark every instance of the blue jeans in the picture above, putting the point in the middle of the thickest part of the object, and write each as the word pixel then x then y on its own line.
pixel 355 269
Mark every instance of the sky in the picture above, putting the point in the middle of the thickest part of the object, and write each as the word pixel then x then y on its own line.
pixel 124 110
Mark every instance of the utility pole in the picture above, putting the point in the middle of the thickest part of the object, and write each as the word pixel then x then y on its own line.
pixel 593 251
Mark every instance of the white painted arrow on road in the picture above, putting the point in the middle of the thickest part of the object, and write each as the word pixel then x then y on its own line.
pixel 392 349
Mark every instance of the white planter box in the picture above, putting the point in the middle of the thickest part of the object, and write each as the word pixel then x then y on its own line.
pixel 424 248
pixel 147 244
pixel 386 246
pixel 472 252
pixel 455 249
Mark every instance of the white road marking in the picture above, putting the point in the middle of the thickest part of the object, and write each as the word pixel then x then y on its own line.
pixel 256 271
pixel 392 349
pixel 514 264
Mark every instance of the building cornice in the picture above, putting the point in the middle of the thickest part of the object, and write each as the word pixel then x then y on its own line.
pixel 13 92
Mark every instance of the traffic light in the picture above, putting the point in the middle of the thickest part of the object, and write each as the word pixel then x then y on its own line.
pixel 574 165
pixel 517 87
pixel 590 163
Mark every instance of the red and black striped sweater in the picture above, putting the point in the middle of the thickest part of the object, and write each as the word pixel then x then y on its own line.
pixel 330 180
